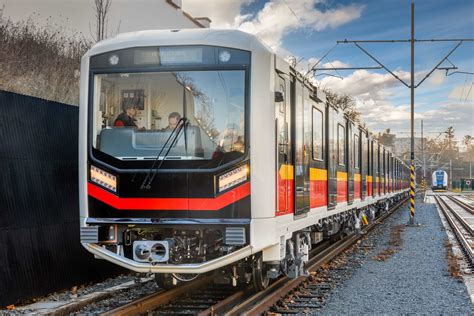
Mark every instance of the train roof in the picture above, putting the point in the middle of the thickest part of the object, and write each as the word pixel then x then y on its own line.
pixel 213 37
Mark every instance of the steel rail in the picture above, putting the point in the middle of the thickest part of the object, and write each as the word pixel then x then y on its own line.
pixel 322 256
pixel 463 204
pixel 458 216
pixel 244 295
pixel 259 304
pixel 465 244
pixel 152 301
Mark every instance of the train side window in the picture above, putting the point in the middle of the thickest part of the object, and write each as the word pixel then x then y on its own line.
pixel 318 136
pixel 282 104
pixel 356 151
pixel 341 141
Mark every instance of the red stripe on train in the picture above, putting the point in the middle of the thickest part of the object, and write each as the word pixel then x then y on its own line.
pixel 160 204
pixel 357 191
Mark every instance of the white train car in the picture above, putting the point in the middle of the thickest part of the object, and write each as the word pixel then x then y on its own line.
pixel 201 150
pixel 439 180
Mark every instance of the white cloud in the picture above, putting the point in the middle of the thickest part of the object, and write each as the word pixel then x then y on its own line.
pixel 437 78
pixel 365 85
pixel 463 93
pixel 373 90
pixel 223 13
pixel 276 19
pixel 279 18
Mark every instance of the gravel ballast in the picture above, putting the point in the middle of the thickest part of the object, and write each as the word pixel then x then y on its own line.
pixel 412 279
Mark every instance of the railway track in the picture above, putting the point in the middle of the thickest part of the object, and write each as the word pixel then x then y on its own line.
pixel 466 204
pixel 460 217
pixel 201 297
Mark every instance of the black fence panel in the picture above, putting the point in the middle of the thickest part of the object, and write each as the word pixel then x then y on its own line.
pixel 40 250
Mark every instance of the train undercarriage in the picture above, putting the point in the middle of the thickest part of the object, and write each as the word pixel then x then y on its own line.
pixel 167 245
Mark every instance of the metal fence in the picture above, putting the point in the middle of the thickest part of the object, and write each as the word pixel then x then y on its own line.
pixel 39 213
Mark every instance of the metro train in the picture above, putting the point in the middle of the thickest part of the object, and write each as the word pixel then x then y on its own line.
pixel 439 181
pixel 229 160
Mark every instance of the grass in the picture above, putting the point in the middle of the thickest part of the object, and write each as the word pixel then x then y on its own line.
pixel 40 61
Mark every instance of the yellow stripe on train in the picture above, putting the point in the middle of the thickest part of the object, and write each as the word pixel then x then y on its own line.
pixel 356 176
pixel 316 174
pixel 341 176
pixel 286 172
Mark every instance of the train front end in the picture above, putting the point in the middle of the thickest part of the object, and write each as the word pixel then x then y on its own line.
pixel 439 181
pixel 164 154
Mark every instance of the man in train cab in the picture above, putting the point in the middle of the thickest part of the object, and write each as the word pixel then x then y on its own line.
pixel 173 120
pixel 127 117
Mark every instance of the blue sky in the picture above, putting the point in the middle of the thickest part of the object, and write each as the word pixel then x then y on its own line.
pixel 309 28
pixel 436 100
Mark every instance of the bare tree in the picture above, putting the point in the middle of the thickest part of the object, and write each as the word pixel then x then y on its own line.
pixel 467 141
pixel 101 8
pixel 386 138
pixel 449 138
pixel 345 102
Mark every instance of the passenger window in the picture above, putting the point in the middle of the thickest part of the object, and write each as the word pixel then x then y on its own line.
pixel 318 136
pixel 341 141
pixel 282 104
pixel 356 151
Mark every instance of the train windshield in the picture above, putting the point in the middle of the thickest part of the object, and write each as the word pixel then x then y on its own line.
pixel 140 116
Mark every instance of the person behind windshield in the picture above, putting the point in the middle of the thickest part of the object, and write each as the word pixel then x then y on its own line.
pixel 173 120
pixel 127 117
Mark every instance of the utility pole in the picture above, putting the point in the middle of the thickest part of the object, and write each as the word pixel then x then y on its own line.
pixel 423 151
pixel 411 221
pixel 469 151
pixel 450 173
pixel 412 86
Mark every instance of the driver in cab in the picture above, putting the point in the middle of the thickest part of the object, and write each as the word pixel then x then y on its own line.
pixel 127 117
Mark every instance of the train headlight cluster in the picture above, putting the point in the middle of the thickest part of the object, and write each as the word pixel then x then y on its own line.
pixel 103 178
pixel 114 60
pixel 224 56
pixel 233 178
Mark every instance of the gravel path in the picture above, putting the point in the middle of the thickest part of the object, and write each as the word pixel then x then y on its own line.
pixel 412 279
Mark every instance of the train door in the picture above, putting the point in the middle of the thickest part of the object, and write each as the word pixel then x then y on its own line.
pixel 370 184
pixel 382 170
pixel 342 159
pixel 332 156
pixel 350 162
pixel 318 171
pixel 398 175
pixel 389 170
pixel 375 167
pixel 285 200
pixel 363 165
pixel 357 169
pixel 301 152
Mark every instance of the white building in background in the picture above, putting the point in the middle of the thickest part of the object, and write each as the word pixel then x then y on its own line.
pixel 78 16
pixel 137 15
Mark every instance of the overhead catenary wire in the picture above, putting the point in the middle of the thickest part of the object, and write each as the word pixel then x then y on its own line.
pixel 468 92
pixel 462 91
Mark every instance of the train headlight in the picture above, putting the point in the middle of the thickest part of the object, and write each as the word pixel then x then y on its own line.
pixel 233 177
pixel 224 56
pixel 114 60
pixel 103 178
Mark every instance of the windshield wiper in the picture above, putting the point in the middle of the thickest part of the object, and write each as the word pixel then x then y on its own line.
pixel 150 176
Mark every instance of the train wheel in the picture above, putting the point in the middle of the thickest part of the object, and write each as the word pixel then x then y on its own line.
pixel 164 280
pixel 259 273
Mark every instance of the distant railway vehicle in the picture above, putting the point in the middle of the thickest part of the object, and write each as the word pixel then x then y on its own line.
pixel 201 150
pixel 439 180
